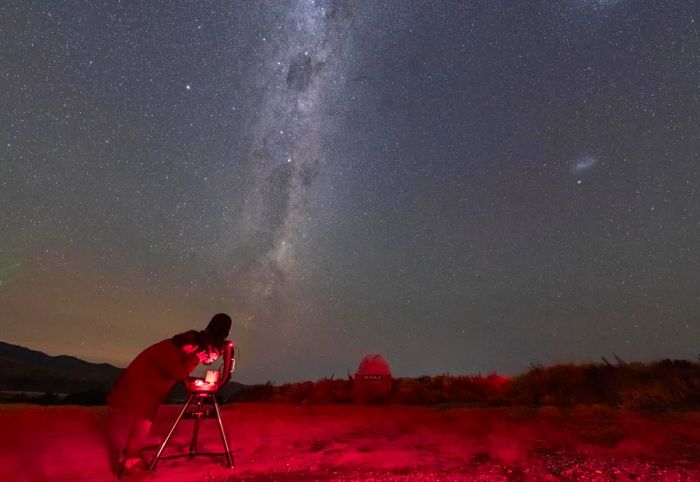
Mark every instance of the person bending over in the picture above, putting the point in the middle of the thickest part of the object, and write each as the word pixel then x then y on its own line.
pixel 143 386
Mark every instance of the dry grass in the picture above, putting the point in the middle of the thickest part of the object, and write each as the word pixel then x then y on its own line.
pixel 662 385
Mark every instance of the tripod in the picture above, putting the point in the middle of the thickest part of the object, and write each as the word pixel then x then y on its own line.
pixel 199 392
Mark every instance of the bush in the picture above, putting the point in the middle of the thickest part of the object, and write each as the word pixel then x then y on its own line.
pixel 658 385
pixel 49 398
pixel 253 393
pixel 87 397
pixel 666 384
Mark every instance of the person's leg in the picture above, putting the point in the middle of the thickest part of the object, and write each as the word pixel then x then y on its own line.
pixel 115 428
pixel 133 462
pixel 140 428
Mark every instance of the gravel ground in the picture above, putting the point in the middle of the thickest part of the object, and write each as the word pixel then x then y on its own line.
pixel 353 443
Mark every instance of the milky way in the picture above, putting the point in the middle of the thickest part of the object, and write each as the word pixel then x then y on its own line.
pixel 298 70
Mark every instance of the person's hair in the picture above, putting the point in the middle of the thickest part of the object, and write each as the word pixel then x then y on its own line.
pixel 218 329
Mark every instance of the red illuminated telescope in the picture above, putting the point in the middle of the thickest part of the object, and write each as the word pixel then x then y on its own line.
pixel 200 391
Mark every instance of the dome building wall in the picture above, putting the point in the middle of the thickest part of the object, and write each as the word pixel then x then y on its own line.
pixel 373 380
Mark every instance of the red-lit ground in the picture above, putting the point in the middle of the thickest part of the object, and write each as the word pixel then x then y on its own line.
pixel 288 442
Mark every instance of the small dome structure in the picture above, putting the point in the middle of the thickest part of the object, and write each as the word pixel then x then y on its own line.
pixel 372 382
pixel 373 365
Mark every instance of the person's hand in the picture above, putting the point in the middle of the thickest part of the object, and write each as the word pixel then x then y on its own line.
pixel 207 357
pixel 213 355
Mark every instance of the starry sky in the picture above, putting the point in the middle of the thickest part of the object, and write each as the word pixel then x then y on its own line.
pixel 461 186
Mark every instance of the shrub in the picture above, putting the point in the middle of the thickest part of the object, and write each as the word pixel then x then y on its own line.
pixel 666 384
pixel 87 397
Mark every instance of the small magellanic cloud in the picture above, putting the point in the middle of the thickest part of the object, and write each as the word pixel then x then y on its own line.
pixel 583 164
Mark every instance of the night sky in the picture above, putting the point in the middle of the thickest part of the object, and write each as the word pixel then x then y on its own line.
pixel 463 187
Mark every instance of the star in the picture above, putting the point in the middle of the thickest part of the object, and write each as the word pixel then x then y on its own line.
pixel 323 177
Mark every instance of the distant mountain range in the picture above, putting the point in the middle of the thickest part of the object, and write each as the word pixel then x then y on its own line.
pixel 26 370
pixel 23 369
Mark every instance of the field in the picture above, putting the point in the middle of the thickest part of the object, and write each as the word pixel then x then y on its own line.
pixel 349 442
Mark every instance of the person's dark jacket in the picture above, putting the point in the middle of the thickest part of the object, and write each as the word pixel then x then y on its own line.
pixel 147 380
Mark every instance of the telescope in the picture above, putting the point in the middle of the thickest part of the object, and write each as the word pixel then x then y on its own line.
pixel 200 391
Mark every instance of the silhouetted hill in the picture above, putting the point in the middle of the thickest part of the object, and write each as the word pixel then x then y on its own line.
pixel 23 369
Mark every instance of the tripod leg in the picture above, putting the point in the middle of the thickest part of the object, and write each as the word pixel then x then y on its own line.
pixel 195 432
pixel 167 439
pixel 229 456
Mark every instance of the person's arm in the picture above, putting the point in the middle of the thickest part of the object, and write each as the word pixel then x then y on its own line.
pixel 178 365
